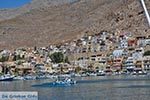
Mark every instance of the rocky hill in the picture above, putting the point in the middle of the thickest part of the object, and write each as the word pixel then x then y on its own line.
pixel 44 22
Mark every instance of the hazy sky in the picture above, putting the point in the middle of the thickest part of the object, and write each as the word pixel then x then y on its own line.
pixel 12 3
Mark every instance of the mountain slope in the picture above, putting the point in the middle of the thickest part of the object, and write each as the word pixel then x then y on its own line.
pixel 53 21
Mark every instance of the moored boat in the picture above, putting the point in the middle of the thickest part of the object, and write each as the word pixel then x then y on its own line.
pixel 64 82
pixel 19 78
pixel 41 76
pixel 6 77
pixel 101 74
pixel 30 77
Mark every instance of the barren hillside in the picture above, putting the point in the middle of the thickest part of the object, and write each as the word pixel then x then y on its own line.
pixel 55 21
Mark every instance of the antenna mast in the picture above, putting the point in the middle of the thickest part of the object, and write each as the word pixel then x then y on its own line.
pixel 146 12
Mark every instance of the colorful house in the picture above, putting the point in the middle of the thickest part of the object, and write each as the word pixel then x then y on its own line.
pixel 118 53
pixel 146 63
pixel 129 64
pixel 139 66
pixel 117 63
pixel 132 42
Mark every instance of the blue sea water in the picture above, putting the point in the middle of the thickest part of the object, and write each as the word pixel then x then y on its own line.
pixel 87 88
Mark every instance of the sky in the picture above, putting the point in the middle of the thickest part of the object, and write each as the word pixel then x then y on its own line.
pixel 13 3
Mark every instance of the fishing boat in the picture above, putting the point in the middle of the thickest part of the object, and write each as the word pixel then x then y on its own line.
pixel 6 77
pixel 64 82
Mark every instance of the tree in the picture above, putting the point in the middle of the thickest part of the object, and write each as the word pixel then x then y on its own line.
pixel 90 68
pixel 19 63
pixel 16 57
pixel 147 53
pixel 4 58
pixel 5 69
pixel 67 60
pixel 16 72
pixel 57 57
pixel 77 69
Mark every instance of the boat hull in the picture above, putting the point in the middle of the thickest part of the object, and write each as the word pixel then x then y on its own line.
pixel 7 79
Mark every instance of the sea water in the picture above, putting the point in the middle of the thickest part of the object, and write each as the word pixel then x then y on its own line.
pixel 87 88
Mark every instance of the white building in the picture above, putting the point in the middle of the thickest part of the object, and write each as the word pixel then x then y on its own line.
pixel 118 53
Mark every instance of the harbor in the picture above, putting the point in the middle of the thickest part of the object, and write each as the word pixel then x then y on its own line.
pixel 75 50
pixel 89 88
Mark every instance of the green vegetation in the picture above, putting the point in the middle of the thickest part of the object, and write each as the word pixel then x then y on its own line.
pixel 130 49
pixel 57 57
pixel 5 69
pixel 147 53
pixel 77 69
pixel 4 58
pixel 19 63
pixel 17 57
pixel 16 72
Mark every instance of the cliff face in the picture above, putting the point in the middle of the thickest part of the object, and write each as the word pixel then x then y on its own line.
pixel 44 22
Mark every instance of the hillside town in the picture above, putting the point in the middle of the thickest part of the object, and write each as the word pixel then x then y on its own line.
pixel 104 53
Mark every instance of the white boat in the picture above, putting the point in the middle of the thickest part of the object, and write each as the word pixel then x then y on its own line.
pixel 30 77
pixel 19 78
pixel 64 82
pixel 41 76
pixel 54 76
pixel 84 75
pixel 139 73
pixel 6 77
pixel 77 75
pixel 101 74
pixel 48 76
pixel 92 74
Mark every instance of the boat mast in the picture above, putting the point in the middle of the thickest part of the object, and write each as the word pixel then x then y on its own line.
pixel 146 12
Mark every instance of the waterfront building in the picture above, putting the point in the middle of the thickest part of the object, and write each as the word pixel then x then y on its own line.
pixel 22 70
pixel 39 68
pixel 100 62
pixel 117 64
pixel 132 42
pixel 139 66
pixel 147 41
pixel 138 54
pixel 118 53
pixel 146 63
pixel 129 64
